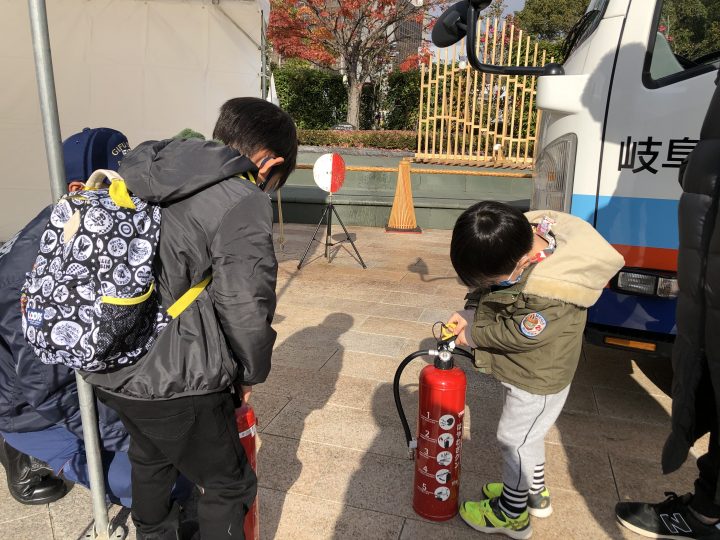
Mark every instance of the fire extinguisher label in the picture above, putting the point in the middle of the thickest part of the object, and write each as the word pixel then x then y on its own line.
pixel 444 458
pixel 447 421
pixel 424 472
pixel 442 493
pixel 439 438
pixel 251 432
pixel 439 451
pixel 445 440
pixel 458 443
pixel 443 476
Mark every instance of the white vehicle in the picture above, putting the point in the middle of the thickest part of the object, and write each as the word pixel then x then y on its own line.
pixel 618 119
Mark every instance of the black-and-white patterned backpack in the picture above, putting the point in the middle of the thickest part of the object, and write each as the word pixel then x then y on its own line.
pixel 89 301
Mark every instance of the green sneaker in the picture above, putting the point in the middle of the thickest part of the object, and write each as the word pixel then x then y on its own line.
pixel 486 516
pixel 538 504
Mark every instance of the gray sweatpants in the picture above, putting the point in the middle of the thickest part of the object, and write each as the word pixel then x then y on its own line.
pixel 525 420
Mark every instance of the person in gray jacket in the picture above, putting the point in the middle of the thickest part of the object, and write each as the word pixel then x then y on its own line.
pixel 176 402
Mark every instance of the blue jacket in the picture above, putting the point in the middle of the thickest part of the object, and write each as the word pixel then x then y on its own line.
pixel 33 395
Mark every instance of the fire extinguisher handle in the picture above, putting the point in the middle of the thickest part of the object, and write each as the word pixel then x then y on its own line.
pixel 463 352
pixel 398 403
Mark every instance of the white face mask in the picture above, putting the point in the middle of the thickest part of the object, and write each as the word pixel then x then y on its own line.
pixel 507 282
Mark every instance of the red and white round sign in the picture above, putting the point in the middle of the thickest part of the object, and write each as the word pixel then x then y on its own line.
pixel 329 172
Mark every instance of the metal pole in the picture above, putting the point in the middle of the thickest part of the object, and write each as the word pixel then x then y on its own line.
pixel 92 452
pixel 48 101
pixel 51 128
pixel 328 235
pixel 263 56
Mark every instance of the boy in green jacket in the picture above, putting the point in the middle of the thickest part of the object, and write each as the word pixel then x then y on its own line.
pixel 534 276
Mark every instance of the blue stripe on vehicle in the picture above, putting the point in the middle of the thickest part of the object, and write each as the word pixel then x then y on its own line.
pixel 583 206
pixel 631 221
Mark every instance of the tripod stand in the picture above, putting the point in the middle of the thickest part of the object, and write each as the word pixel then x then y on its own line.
pixel 329 211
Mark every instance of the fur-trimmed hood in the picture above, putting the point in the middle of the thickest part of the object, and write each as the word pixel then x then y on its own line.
pixel 580 268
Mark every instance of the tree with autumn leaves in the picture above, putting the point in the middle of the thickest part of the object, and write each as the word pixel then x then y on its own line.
pixel 354 37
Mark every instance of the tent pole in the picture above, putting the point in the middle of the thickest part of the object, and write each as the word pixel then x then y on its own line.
pixel 51 128
pixel 263 57
pixel 92 451
pixel 48 101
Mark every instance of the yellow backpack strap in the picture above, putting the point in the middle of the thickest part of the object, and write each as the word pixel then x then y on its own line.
pixel 188 298
pixel 118 190
pixel 248 176
pixel 120 195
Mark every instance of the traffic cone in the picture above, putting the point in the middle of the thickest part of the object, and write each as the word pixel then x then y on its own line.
pixel 402 215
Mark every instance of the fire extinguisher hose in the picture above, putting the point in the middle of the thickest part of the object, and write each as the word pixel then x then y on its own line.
pixel 396 393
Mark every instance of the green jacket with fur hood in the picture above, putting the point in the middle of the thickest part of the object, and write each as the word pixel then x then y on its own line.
pixel 530 334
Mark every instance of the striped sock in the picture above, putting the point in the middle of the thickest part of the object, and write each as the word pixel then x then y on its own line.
pixel 512 501
pixel 538 483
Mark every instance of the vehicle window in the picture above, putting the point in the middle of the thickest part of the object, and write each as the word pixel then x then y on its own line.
pixel 585 26
pixel 687 37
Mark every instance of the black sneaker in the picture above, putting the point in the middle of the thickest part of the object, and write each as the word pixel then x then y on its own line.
pixel 671 519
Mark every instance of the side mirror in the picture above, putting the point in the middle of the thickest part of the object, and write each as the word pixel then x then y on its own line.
pixel 461 20
pixel 451 26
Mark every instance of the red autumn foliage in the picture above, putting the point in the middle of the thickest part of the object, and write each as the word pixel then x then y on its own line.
pixel 357 37
pixel 414 60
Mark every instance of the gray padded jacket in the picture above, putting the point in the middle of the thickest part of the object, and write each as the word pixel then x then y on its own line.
pixel 217 224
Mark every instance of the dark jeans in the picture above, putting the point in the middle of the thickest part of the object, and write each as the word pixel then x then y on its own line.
pixel 195 436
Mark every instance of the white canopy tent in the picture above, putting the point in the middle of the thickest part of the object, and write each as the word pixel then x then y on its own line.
pixel 148 68
pixel 169 76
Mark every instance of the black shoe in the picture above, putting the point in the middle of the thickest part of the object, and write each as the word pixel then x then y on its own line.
pixel 40 467
pixel 671 519
pixel 26 485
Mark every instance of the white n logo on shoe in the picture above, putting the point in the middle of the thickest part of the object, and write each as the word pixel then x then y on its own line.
pixel 675 523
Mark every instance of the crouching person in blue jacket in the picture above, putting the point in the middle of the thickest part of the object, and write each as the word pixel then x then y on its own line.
pixel 39 410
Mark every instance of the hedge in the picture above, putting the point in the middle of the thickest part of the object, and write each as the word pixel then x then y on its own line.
pixel 402 100
pixel 315 98
pixel 389 140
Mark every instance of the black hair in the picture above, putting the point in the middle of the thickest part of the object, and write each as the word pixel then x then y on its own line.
pixel 488 240
pixel 250 125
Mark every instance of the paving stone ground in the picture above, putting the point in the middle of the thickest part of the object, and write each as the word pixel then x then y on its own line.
pixel 332 459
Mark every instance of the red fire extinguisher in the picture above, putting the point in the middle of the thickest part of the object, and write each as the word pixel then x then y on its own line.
pixel 247 429
pixel 437 450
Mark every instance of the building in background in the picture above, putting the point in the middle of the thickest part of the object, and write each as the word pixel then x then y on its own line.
pixel 409 36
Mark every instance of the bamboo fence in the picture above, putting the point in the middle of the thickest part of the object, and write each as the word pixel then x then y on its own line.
pixel 472 118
